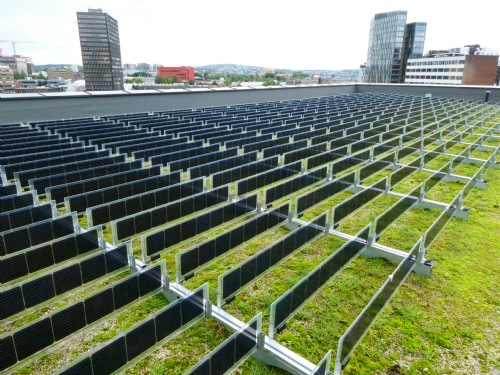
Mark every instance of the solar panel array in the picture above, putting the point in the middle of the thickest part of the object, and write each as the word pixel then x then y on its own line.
pixel 195 185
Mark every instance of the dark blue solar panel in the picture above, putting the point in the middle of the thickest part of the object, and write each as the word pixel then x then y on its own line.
pixel 33 338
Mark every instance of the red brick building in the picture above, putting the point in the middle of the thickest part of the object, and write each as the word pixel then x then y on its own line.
pixel 185 73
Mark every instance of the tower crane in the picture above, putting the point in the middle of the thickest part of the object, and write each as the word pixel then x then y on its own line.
pixel 14 43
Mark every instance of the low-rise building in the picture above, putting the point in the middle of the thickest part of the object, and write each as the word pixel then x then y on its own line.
pixel 185 73
pixel 144 67
pixel 6 78
pixel 469 65
pixel 63 73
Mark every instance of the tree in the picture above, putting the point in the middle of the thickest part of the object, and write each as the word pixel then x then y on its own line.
pixel 198 74
pixel 299 74
pixel 162 80
pixel 175 78
pixel 269 75
pixel 191 82
pixel 269 82
pixel 134 80
pixel 19 75
pixel 40 76
pixel 141 74
pixel 214 83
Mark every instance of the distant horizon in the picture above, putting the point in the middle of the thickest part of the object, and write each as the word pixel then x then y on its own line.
pixel 326 36
pixel 205 65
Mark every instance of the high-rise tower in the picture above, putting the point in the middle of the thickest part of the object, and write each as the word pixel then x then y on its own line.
pixel 100 44
pixel 391 43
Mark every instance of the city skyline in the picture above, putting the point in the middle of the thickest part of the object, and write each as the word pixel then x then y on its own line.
pixel 265 34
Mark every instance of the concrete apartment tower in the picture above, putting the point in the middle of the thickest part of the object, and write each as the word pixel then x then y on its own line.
pixel 391 43
pixel 100 45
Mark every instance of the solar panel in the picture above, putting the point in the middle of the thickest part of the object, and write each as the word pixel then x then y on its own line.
pixel 142 149
pixel 202 159
pixel 224 138
pixel 42 289
pixel 47 230
pixel 99 305
pixel 134 204
pixel 243 141
pixel 150 280
pixel 243 171
pixel 140 339
pixel 283 148
pixel 15 202
pixel 323 192
pixel 183 154
pixel 351 338
pixel 27 157
pixel 267 178
pixel 8 353
pixel 259 146
pixel 280 191
pixel 13 268
pixel 33 338
pixel 292 300
pixel 42 142
pixel 59 192
pixel 230 282
pixel 8 190
pixel 358 200
pixel 201 255
pixel 25 176
pixel 26 216
pixel 68 321
pixel 110 358
pixel 308 134
pixel 156 242
pixel 11 302
pixel 11 169
pixel 40 184
pixel 232 352
pixel 221 165
pixel 133 225
pixel 168 321
pixel 303 153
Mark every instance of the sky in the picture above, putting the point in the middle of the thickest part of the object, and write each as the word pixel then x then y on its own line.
pixel 276 34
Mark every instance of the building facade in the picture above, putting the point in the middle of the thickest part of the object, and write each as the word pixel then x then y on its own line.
pixel 144 66
pixel 101 55
pixel 6 78
pixel 62 73
pixel 456 66
pixel 185 73
pixel 413 46
pixel 390 45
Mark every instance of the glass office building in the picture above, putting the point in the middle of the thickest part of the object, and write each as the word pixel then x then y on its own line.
pixel 391 43
pixel 413 44
pixel 101 55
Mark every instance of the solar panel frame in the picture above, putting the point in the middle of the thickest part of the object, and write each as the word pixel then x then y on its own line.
pixel 123 207
pixel 24 176
pixel 263 179
pixel 172 234
pixel 60 281
pixel 232 352
pixel 266 255
pixel 278 318
pixel 15 202
pixel 21 236
pixel 40 184
pixel 211 244
pixel 26 216
pixel 11 169
pixel 60 192
pixel 242 171
pixel 222 195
